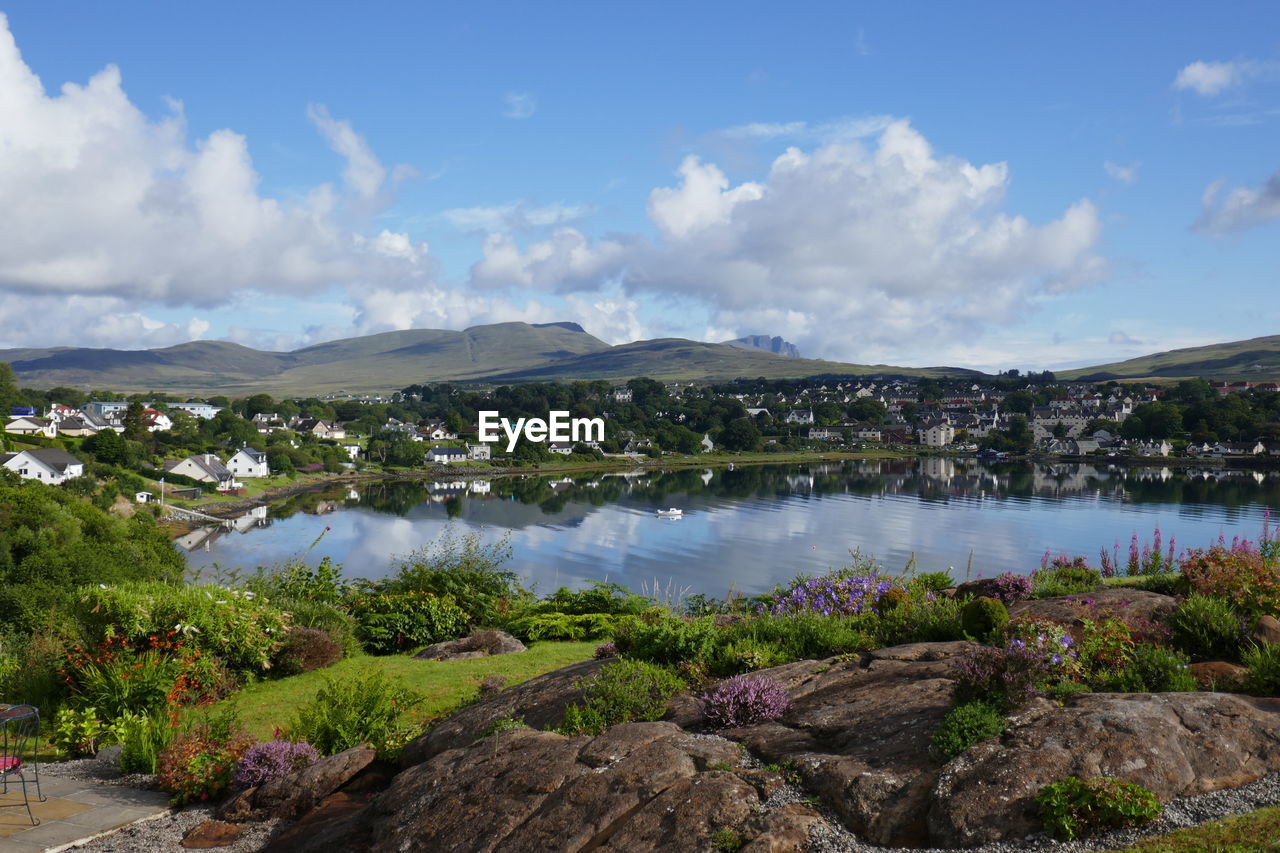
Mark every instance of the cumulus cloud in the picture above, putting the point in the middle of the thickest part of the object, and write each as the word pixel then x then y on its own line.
pixel 1213 78
pixel 98 321
pixel 1240 209
pixel 519 105
pixel 364 173
pixel 515 216
pixel 1123 174
pixel 99 200
pixel 845 250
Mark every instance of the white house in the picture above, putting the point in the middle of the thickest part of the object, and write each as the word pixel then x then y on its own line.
pixel 199 410
pixel 206 468
pixel 936 434
pixel 248 462
pixel 157 421
pixel 560 448
pixel 51 465
pixel 481 452
pixel 446 455
pixel 622 395
pixel 353 450
pixel 800 416
pixel 30 425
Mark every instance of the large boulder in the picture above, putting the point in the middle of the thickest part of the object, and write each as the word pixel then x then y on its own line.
pixel 478 644
pixel 1173 744
pixel 294 795
pixel 1133 606
pixel 540 702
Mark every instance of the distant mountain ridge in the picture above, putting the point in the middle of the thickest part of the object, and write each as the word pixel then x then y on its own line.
pixel 496 353
pixel 1255 360
pixel 774 345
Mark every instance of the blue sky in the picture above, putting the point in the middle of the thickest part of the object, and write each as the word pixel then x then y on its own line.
pixel 991 185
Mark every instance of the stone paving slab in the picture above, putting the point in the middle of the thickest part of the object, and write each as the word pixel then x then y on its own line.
pixel 74 811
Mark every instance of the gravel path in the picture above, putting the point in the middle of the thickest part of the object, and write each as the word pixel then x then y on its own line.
pixel 165 833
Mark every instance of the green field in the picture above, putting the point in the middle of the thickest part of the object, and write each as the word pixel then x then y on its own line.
pixel 1254 360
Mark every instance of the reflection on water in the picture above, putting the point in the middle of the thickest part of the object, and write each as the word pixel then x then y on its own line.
pixel 754 526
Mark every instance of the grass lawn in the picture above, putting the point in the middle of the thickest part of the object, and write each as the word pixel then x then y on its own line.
pixel 268 704
pixel 1257 831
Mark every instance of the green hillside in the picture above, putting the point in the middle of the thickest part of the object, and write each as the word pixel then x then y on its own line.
pixel 1255 360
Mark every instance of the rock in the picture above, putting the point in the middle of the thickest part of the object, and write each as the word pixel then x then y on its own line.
pixel 989 587
pixel 477 645
pixel 620 741
pixel 109 756
pixel 376 777
pixel 294 795
pixel 1218 675
pixel 1267 630
pixel 685 816
pixel 858 735
pixel 491 685
pixel 209 834
pixel 785 830
pixel 1132 606
pixel 339 822
pixel 540 702
pixel 239 807
pixel 1174 744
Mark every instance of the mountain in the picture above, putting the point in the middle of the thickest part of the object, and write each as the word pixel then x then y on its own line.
pixel 1256 360
pixel 498 353
pixel 774 345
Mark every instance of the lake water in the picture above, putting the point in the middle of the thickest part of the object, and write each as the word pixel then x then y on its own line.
pixel 754 526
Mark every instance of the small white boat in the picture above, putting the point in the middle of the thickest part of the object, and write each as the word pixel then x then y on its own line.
pixel 671 513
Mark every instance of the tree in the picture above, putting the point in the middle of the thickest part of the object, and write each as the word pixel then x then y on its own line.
pixel 106 446
pixel 740 434
pixel 135 422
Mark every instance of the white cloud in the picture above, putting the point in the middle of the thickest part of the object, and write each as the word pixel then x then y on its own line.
pixel 1123 174
pixel 1241 208
pixel 1213 78
pixel 519 105
pixel 1119 337
pixel 46 320
pixel 515 216
pixel 99 201
pixel 843 250
pixel 839 130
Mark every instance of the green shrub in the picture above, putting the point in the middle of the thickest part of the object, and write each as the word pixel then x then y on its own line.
pixel 622 691
pixel 598 597
pixel 322 584
pixel 803 636
pixel 242 629
pixel 563 626
pixel 197 765
pixel 1207 628
pixel 966 724
pixel 79 732
pixel 921 621
pixel 668 639
pixel 396 622
pixel 333 620
pixel 1150 669
pixel 142 739
pixel 747 655
pixel 463 567
pixel 984 617
pixel 1075 807
pixel 934 581
pixel 1263 662
pixel 1069 579
pixel 1243 575
pixel 369 708
pixel 306 650
pixel 1174 583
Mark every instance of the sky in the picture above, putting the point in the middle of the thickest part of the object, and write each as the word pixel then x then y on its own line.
pixel 988 185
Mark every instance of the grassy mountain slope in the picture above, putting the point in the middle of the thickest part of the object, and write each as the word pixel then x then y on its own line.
pixel 502 352
pixel 1255 360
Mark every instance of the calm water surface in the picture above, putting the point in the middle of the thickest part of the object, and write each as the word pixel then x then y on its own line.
pixel 754 526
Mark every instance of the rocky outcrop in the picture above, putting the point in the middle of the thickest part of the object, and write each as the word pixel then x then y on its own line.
pixel 292 796
pixel 1219 675
pixel 478 644
pixel 1132 606
pixel 540 702
pixel 1174 744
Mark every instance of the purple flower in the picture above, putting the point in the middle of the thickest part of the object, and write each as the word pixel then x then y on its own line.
pixel 270 760
pixel 745 700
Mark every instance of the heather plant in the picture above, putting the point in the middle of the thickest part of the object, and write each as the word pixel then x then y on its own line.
pixel 983 617
pixel 1207 628
pixel 744 700
pixel 606 649
pixel 1240 573
pixel 397 622
pixel 622 691
pixel 369 708
pixel 1075 807
pixel 966 724
pixel 307 649
pixel 272 759
pixel 1263 662
pixel 1009 587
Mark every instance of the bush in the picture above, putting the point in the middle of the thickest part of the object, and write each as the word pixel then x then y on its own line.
pixel 924 620
pixel 272 759
pixel 621 692
pixel 600 597
pixel 307 649
pixel 396 622
pixel 667 639
pixel 198 764
pixel 1207 628
pixel 1075 807
pixel 934 581
pixel 1240 574
pixel 77 733
pixel 1150 669
pixel 745 700
pixel 1105 647
pixel 1066 579
pixel 370 708
pixel 332 619
pixel 1010 587
pixel 605 650
pixel 237 626
pixel 563 626
pixel 465 568
pixel 984 617
pixel 1026 667
pixel 838 594
pixel 323 584
pixel 148 677
pixel 1264 669
pixel 142 739
pixel 966 724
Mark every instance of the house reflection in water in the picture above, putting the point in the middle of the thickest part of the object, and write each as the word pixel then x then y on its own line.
pixel 204 537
